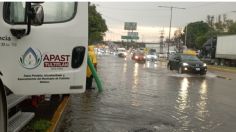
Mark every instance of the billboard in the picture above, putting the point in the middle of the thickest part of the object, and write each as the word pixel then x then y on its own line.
pixel 130 25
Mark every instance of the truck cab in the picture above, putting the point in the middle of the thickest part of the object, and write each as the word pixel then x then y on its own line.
pixel 43 48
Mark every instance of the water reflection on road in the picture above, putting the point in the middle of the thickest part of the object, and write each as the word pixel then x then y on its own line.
pixel 149 98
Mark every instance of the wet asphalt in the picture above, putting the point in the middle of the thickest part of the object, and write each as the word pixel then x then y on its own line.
pixel 149 98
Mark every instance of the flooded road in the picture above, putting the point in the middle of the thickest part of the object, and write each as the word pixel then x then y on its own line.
pixel 149 98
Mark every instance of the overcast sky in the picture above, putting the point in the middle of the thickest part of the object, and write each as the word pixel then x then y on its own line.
pixel 151 19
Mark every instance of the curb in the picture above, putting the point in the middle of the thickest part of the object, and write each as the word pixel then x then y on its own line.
pixel 58 113
pixel 220 69
pixel 227 78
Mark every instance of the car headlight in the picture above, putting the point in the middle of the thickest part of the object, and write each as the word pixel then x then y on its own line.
pixel 136 57
pixel 204 64
pixel 185 64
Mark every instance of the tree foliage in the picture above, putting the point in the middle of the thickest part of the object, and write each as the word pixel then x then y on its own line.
pixel 97 25
pixel 199 32
pixel 200 40
pixel 232 28
pixel 220 24
pixel 196 34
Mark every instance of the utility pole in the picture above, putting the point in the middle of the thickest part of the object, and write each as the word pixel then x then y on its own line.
pixel 161 41
pixel 171 8
pixel 186 33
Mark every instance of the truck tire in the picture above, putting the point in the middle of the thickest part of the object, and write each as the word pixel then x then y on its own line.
pixel 3 109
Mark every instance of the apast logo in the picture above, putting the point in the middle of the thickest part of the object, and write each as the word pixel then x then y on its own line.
pixel 51 60
pixel 31 58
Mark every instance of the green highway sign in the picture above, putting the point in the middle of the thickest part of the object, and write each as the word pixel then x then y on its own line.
pixel 129 37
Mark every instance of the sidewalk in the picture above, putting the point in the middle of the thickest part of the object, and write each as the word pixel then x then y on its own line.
pixel 222 68
pixel 228 73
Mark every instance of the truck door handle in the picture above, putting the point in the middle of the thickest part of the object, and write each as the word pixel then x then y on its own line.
pixel 78 54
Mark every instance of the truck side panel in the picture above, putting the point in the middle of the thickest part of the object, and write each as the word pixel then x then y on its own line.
pixel 225 47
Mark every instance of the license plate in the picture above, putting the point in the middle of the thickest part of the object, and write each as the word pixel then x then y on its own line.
pixel 197 69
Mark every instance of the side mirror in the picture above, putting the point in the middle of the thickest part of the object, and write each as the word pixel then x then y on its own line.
pixel 38 15
pixel 35 16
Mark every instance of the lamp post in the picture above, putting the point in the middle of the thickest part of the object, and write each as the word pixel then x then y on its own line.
pixel 186 33
pixel 171 9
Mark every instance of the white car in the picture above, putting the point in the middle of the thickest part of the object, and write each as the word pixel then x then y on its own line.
pixel 172 52
pixel 162 55
pixel 151 57
pixel 121 52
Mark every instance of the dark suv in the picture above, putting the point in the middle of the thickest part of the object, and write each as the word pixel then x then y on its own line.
pixel 185 63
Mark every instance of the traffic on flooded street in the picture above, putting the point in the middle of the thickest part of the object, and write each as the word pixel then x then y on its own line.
pixel 150 98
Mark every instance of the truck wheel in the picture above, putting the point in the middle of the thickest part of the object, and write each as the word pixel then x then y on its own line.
pixel 55 98
pixel 3 109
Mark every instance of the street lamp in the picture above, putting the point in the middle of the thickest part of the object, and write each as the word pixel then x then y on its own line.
pixel 171 8
pixel 186 33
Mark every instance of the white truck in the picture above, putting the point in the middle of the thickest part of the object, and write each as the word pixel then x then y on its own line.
pixel 225 50
pixel 43 50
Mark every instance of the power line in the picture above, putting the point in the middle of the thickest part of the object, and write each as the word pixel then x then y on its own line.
pixel 201 5
pixel 150 9
pixel 130 10
pixel 171 7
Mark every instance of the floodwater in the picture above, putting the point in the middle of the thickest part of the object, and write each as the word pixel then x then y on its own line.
pixel 149 98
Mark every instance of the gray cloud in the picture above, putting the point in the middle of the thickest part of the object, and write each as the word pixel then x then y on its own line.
pixel 148 14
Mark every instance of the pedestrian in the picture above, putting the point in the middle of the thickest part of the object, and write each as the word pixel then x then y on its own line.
pixel 89 76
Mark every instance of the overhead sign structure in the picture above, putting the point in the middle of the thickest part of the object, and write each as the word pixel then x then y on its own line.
pixel 130 25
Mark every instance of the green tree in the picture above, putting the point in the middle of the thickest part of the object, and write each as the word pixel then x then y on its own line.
pixel 232 28
pixel 97 25
pixel 221 25
pixel 200 40
pixel 196 34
